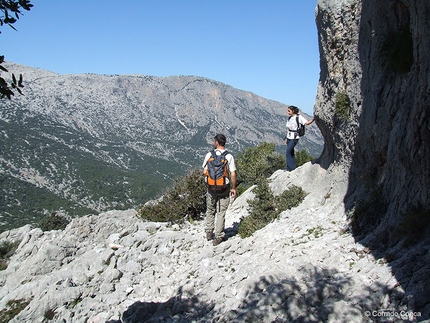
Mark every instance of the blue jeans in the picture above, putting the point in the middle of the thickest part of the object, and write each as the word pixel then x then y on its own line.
pixel 289 154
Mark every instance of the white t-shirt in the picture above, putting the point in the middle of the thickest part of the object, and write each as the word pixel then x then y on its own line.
pixel 292 126
pixel 229 157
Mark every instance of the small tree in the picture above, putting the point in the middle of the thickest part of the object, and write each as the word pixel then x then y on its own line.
pixel 265 207
pixel 9 14
pixel 54 221
pixel 185 200
pixel 303 157
pixel 258 162
pixel 7 249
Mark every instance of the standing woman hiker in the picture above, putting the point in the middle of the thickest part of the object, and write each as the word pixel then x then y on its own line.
pixel 292 137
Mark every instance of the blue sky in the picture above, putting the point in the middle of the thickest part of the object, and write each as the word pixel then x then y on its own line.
pixel 268 47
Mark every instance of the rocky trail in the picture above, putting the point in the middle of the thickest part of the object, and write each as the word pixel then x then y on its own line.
pixel 114 267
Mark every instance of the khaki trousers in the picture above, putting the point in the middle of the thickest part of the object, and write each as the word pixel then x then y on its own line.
pixel 216 206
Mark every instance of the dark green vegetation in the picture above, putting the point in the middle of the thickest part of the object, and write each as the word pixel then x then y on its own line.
pixel 12 309
pixel 184 201
pixel 9 14
pixel 303 157
pixel 257 163
pixel 88 184
pixel 342 105
pixel 54 221
pixel 7 249
pixel 266 207
pixel 20 199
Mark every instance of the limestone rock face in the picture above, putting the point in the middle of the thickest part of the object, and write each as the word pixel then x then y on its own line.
pixel 373 111
pixel 373 101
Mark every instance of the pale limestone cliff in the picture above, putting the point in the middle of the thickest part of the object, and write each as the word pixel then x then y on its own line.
pixel 373 110
pixel 375 60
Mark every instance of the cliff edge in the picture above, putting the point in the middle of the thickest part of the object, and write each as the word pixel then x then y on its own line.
pixel 373 111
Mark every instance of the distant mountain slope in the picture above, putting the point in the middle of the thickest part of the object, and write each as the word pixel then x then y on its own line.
pixel 114 141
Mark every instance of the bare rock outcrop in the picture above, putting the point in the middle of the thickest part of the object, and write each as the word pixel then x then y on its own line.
pixel 373 111
pixel 114 267
pixel 373 98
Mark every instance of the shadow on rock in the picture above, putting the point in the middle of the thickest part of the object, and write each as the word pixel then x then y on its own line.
pixel 388 198
pixel 315 298
pixel 320 295
pixel 231 231
pixel 176 309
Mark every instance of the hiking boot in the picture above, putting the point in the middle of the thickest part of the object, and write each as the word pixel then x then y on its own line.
pixel 209 236
pixel 217 241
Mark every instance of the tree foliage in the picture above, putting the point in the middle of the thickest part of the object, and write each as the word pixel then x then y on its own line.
pixel 9 14
pixel 265 207
pixel 302 157
pixel 7 249
pixel 258 162
pixel 11 10
pixel 185 200
pixel 54 221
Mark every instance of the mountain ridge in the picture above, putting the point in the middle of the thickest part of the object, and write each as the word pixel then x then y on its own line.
pixel 137 132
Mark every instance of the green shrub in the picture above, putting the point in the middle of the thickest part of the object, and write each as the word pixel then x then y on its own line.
pixel 342 105
pixel 267 208
pixel 242 187
pixel 12 309
pixel 302 157
pixel 7 249
pixel 54 221
pixel 185 200
pixel 290 198
pixel 257 162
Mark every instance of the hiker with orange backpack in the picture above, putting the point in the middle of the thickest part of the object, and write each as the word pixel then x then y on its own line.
pixel 220 176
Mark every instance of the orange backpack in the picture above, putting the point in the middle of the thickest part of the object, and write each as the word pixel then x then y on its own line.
pixel 216 172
